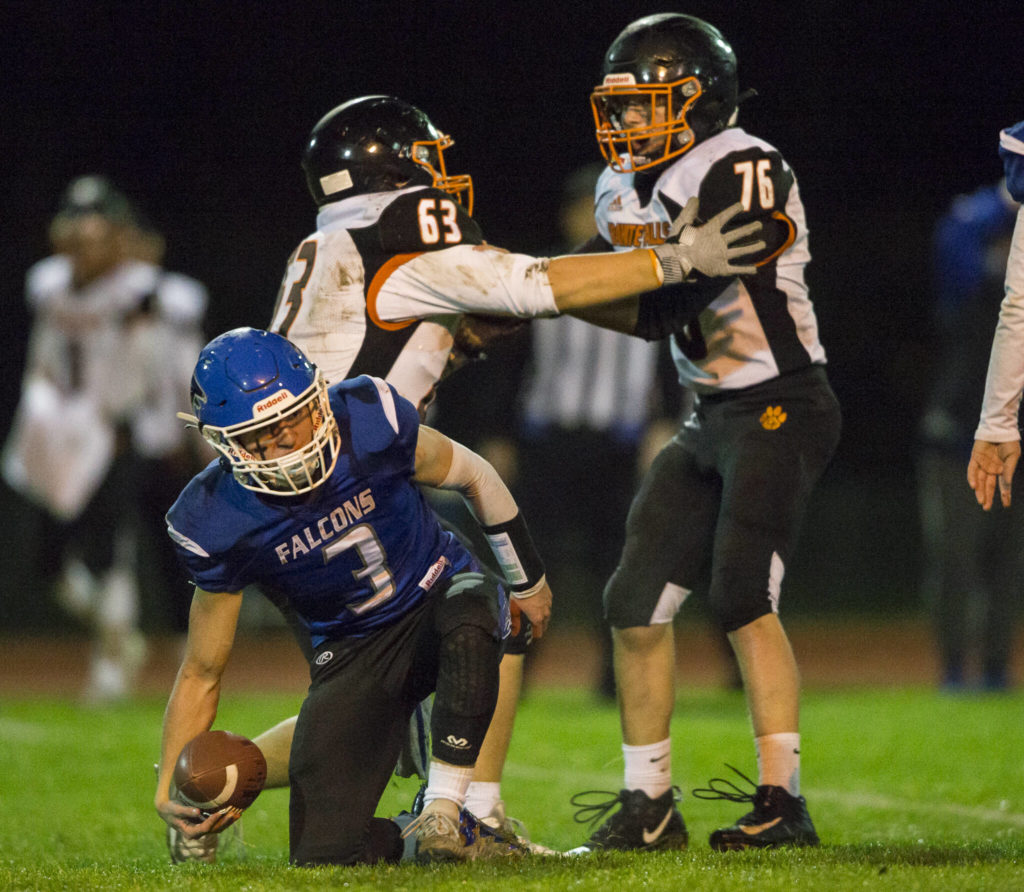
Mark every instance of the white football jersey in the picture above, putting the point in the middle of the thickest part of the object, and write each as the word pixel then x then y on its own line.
pixel 755 327
pixel 379 287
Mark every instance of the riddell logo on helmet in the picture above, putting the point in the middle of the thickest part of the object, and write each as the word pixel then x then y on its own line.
pixel 270 402
pixel 618 80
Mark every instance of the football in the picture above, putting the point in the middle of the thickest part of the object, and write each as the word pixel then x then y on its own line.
pixel 217 769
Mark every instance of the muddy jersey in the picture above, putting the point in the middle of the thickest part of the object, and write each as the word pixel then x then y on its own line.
pixel 744 330
pixel 378 288
pixel 362 550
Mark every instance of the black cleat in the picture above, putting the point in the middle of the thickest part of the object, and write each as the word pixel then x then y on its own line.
pixel 778 818
pixel 640 824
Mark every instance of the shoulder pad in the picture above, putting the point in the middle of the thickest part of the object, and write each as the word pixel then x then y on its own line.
pixel 49 274
pixel 181 299
pixel 426 220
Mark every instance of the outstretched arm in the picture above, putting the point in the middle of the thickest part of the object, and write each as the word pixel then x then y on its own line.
pixel 483 279
pixel 192 706
pixel 445 464
pixel 656 313
pixel 585 280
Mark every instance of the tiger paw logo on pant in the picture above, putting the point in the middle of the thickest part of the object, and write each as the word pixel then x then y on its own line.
pixel 772 418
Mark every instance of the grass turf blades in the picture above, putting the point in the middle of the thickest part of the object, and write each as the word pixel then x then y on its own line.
pixel 910 789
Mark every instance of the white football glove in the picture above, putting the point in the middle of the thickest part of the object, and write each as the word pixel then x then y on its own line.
pixel 706 248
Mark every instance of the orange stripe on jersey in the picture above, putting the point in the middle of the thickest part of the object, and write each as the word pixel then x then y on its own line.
pixel 378 282
pixel 778 215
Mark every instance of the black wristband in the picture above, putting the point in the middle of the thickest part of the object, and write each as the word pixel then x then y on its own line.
pixel 515 553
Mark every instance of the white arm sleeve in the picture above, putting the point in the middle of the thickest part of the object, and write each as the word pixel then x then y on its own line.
pixel 480 486
pixel 1005 381
pixel 467 279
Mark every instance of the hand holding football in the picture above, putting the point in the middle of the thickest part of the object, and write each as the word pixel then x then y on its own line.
pixel 217 769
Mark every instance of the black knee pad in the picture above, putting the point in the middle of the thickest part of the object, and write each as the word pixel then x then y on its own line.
pixel 467 691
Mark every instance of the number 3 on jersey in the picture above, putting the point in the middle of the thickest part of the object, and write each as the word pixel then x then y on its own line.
pixel 307 254
pixel 437 219
pixel 375 570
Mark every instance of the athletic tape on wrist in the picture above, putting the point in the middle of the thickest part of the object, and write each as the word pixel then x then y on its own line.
pixel 659 270
pixel 524 594
pixel 516 554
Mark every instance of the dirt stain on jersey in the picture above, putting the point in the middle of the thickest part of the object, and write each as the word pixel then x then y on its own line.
pixel 540 268
pixel 345 276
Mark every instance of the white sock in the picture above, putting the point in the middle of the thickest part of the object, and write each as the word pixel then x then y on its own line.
pixel 482 797
pixel 649 767
pixel 446 781
pixel 778 761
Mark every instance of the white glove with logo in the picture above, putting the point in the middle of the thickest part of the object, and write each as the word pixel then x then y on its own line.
pixel 706 248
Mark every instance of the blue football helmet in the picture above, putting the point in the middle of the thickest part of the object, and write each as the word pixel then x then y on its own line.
pixel 249 382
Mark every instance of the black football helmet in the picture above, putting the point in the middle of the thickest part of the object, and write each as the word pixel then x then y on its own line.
pixel 376 144
pixel 669 83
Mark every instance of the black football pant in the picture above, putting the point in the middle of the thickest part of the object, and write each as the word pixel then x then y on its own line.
pixel 355 717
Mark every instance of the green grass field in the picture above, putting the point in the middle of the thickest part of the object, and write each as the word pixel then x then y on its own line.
pixel 909 789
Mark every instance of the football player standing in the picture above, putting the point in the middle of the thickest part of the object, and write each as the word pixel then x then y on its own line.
pixel 733 484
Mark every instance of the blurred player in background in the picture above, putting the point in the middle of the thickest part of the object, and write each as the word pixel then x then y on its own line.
pixel 382 287
pixel 997 441
pixel 316 502
pixel 732 486
pixel 112 344
pixel 974 561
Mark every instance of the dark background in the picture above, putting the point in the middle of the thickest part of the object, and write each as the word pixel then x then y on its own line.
pixel 200 111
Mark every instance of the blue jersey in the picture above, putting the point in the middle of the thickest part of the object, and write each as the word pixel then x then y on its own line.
pixel 356 554
pixel 963 240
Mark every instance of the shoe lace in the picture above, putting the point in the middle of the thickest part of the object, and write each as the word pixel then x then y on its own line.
pixel 435 822
pixel 723 788
pixel 590 812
